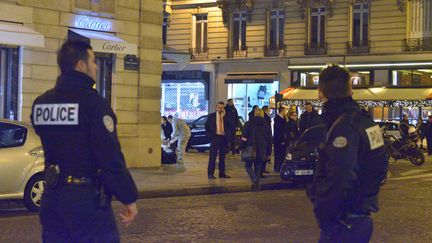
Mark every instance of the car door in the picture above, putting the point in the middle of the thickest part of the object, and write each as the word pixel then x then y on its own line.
pixel 15 158
pixel 199 135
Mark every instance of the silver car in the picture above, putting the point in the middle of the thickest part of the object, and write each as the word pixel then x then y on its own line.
pixel 21 164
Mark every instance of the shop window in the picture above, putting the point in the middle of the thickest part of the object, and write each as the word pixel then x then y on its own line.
pixel 103 80
pixel 361 78
pixel 105 6
pixel 238 30
pixel 413 77
pixel 9 83
pixel 275 34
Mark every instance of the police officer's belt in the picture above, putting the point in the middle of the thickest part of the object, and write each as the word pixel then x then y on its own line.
pixel 78 181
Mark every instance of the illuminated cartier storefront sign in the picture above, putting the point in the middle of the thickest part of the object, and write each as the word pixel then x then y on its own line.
pixel 85 22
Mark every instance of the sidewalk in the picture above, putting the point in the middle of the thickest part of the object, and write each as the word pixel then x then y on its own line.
pixel 190 178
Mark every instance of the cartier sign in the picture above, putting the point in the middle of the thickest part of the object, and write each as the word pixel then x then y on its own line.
pixel 85 22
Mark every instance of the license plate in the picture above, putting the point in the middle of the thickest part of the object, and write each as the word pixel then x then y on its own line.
pixel 303 172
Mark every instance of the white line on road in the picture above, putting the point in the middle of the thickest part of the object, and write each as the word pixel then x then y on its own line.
pixel 412 177
pixel 412 172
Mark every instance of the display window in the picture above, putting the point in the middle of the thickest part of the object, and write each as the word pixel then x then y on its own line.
pixel 412 77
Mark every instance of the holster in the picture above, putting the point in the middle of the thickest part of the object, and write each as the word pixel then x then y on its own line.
pixel 103 201
pixel 52 173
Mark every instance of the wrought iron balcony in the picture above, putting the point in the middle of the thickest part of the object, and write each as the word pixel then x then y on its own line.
pixel 199 54
pixel 420 44
pixel 357 48
pixel 315 48
pixel 275 50
pixel 237 51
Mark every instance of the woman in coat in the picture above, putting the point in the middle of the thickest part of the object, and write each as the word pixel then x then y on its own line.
pixel 256 133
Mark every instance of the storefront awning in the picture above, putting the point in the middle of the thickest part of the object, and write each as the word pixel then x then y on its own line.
pixel 18 35
pixel 250 78
pixel 103 42
pixel 180 57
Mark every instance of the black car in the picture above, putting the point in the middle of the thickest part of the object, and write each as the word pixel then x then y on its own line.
pixel 302 157
pixel 199 139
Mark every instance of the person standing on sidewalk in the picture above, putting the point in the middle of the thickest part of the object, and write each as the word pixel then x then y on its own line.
pixel 232 114
pixel 217 128
pixel 84 165
pixel 181 134
pixel 309 118
pixel 256 133
pixel 279 138
pixel 353 162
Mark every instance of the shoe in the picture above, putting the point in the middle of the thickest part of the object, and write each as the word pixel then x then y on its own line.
pixel 255 186
pixel 225 176
pixel 212 177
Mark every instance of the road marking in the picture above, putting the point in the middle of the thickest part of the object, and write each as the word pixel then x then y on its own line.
pixel 412 172
pixel 412 177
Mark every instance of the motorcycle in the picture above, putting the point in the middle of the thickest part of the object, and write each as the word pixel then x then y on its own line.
pixel 405 148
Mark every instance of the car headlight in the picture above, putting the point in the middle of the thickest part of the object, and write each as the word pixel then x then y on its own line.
pixel 288 156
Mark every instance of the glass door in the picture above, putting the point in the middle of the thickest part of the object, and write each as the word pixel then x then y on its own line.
pixel 104 75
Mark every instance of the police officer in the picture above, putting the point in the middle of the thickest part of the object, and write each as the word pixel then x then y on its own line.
pixel 84 165
pixel 352 164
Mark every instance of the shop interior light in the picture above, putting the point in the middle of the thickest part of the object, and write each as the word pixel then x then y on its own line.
pixel 425 70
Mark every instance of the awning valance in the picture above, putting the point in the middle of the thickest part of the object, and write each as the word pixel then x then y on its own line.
pixel 17 34
pixel 250 78
pixel 103 42
pixel 180 57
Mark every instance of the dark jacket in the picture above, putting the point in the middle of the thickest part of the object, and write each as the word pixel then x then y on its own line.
pixel 167 129
pixel 232 114
pixel 80 135
pixel 258 134
pixel 308 120
pixel 210 126
pixel 280 128
pixel 293 131
pixel 421 128
pixel 352 164
pixel 404 127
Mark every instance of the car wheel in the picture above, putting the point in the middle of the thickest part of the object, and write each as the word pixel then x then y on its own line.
pixel 33 193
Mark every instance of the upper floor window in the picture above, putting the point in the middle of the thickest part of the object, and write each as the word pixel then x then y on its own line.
pixel 360 24
pixel 105 6
pixel 276 29
pixel 239 30
pixel 164 29
pixel 317 26
pixel 199 39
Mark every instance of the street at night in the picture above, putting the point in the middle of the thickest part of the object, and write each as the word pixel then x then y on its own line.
pixel 267 216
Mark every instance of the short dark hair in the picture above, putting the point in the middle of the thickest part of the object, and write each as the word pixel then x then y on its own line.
pixel 308 103
pixel 70 53
pixel 164 118
pixel 170 117
pixel 221 103
pixel 228 100
pixel 334 82
pixel 255 107
pixel 281 108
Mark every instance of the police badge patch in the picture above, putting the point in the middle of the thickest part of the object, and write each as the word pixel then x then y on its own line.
pixel 340 142
pixel 109 123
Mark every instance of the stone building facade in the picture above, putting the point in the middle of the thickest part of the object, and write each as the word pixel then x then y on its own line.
pixel 125 34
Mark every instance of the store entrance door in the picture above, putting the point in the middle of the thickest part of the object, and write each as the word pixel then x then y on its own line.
pixel 103 80
pixel 245 96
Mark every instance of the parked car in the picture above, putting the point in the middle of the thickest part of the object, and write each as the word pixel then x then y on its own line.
pixel 391 128
pixel 21 164
pixel 199 139
pixel 302 157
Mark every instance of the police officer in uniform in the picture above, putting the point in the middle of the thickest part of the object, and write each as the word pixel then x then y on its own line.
pixel 84 165
pixel 352 164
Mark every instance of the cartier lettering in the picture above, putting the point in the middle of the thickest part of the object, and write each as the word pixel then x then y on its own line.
pixel 55 114
pixel 92 23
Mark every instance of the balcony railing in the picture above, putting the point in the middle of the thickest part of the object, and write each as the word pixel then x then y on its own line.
pixel 237 51
pixel 315 48
pixel 199 54
pixel 357 48
pixel 275 50
pixel 420 44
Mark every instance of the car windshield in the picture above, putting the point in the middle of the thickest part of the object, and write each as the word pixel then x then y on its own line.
pixel 12 135
pixel 313 136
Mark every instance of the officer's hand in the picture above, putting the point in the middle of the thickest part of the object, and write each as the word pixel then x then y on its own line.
pixel 128 213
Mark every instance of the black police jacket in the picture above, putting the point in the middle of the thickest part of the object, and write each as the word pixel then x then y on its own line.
pixel 77 128
pixel 352 164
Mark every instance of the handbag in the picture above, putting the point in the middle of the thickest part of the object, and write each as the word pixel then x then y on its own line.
pixel 248 154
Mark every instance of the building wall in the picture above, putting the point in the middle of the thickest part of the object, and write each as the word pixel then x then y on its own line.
pixel 136 95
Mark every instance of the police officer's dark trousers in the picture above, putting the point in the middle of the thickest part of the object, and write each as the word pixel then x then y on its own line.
pixel 360 231
pixel 71 214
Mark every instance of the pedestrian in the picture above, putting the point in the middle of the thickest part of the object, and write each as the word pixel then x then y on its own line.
pixel 309 118
pixel 353 162
pixel 84 165
pixel 256 133
pixel 181 134
pixel 429 135
pixel 404 126
pixel 252 113
pixel 217 128
pixel 166 127
pixel 267 118
pixel 232 114
pixel 280 135
pixel 421 129
pixel 293 131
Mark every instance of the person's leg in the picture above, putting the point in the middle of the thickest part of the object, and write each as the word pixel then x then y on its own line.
pixel 50 219
pixel 232 142
pixel 212 157
pixel 250 171
pixel 223 149
pixel 279 156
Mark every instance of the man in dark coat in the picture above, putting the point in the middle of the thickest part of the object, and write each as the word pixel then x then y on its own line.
pixel 217 128
pixel 232 114
pixel 309 118
pixel 279 138
pixel 252 113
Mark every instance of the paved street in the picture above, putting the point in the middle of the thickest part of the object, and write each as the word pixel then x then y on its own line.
pixel 267 216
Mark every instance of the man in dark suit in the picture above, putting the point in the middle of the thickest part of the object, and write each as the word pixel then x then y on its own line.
pixel 218 127
pixel 280 127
